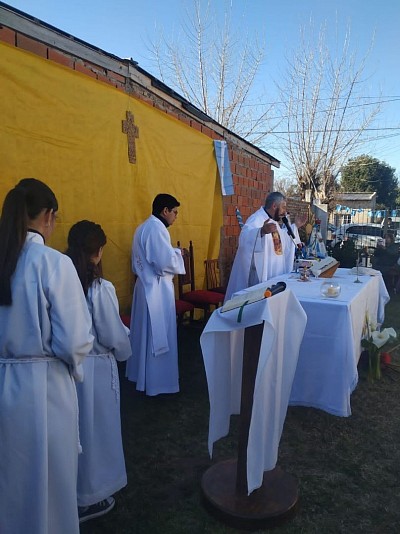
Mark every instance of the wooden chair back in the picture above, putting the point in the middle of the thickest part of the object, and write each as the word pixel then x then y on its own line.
pixel 212 275
pixel 186 279
pixel 200 298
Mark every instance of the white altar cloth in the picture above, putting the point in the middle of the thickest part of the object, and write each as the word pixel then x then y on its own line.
pixel 326 372
pixel 222 347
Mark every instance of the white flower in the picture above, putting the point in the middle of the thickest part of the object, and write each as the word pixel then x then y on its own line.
pixel 380 338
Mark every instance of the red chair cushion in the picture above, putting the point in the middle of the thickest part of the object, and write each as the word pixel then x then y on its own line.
pixel 126 319
pixel 203 297
pixel 182 307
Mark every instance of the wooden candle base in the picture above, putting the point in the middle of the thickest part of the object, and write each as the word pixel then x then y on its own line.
pixel 268 506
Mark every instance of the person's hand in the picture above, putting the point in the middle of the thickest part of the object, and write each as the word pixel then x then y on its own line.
pixel 300 220
pixel 268 227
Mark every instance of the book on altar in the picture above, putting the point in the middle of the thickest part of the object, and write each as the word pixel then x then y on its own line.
pixel 248 297
pixel 324 267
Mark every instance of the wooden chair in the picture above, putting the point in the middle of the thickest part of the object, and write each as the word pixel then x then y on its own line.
pixel 183 307
pixel 126 319
pixel 200 298
pixel 212 276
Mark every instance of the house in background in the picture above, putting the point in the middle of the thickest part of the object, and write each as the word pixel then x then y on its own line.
pixel 108 136
pixel 354 207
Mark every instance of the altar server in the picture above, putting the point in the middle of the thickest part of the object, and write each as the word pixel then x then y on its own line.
pixel 101 469
pixel 265 248
pixel 44 336
pixel 154 362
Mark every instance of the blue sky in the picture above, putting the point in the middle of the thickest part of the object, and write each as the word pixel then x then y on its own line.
pixel 126 27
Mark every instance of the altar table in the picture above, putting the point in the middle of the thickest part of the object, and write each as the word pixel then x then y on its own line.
pixel 222 347
pixel 326 372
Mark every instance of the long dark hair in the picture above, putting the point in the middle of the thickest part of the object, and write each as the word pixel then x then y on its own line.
pixel 23 203
pixel 84 241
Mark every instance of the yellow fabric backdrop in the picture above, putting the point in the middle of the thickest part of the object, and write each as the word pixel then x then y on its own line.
pixel 65 128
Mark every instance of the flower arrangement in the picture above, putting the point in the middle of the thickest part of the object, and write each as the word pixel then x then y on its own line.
pixel 373 341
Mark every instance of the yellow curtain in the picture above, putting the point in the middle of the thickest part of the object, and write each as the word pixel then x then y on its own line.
pixel 65 128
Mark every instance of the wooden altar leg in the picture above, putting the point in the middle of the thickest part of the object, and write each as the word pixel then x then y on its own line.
pixel 224 485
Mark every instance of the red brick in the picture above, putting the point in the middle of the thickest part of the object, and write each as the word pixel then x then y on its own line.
pixel 184 119
pixel 196 125
pixel 59 57
pixel 116 76
pixel 105 79
pixel 120 86
pixel 216 136
pixel 236 230
pixel 31 45
pixel 7 35
pixel 206 130
pixel 172 114
pixel 79 67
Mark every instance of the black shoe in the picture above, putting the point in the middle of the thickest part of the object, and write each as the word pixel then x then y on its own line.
pixel 96 510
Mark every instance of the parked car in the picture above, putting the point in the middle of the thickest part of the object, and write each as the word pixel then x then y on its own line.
pixel 363 234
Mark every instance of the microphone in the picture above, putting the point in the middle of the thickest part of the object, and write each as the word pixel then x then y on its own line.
pixel 277 288
pixel 288 227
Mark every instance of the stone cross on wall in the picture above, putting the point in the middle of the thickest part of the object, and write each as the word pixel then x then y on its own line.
pixel 132 131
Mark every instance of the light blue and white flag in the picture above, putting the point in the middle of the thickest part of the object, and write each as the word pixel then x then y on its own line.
pixel 224 167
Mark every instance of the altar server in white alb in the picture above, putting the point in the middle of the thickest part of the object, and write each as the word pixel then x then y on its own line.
pixel 44 336
pixel 154 362
pixel 265 248
pixel 101 470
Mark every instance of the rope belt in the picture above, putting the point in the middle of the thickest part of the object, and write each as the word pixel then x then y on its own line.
pixel 30 359
pixel 114 372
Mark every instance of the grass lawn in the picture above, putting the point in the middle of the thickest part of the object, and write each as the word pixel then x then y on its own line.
pixel 348 469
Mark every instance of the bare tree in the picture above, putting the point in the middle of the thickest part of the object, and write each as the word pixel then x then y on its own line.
pixel 324 112
pixel 215 68
pixel 288 186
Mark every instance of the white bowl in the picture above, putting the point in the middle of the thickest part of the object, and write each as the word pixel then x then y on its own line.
pixel 330 289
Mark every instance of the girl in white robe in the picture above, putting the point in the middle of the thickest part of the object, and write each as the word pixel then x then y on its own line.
pixel 44 336
pixel 101 469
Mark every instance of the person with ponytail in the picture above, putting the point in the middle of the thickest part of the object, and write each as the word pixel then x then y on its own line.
pixel 101 469
pixel 44 337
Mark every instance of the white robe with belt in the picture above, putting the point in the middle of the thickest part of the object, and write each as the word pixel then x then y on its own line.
pixel 256 260
pixel 154 362
pixel 101 469
pixel 44 335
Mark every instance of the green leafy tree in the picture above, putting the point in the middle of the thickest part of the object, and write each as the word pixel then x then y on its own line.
pixel 365 173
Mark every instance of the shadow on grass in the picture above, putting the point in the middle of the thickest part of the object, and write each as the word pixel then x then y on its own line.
pixel 348 469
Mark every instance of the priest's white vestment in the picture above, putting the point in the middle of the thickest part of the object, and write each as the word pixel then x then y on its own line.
pixel 101 468
pixel 44 335
pixel 154 362
pixel 256 260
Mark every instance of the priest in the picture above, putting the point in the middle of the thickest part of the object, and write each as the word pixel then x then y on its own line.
pixel 266 247
pixel 154 362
